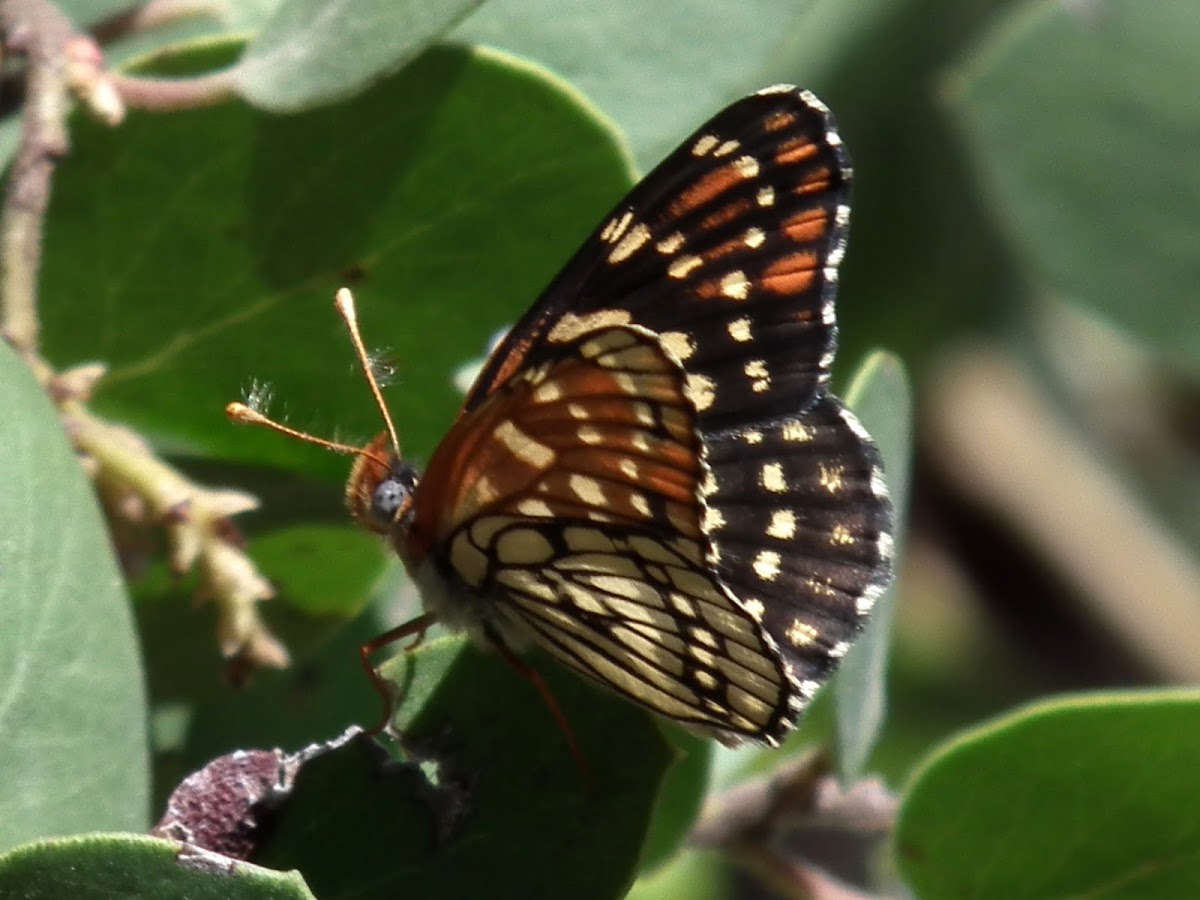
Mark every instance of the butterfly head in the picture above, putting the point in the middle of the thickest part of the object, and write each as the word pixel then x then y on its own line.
pixel 379 492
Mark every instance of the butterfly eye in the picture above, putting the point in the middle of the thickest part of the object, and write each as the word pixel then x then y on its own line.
pixel 392 497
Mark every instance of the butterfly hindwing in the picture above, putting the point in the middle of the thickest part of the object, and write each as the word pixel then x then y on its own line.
pixel 645 617
pixel 799 519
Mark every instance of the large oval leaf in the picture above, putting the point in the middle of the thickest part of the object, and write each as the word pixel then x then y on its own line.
pixel 72 714
pixel 1082 797
pixel 447 196
pixel 132 867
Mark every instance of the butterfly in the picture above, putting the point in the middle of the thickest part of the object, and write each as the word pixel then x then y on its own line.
pixel 650 479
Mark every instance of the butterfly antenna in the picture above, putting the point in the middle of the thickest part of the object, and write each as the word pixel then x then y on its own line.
pixel 345 307
pixel 247 415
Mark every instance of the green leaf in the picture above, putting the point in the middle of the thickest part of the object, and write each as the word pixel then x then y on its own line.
pixel 509 804
pixel 1083 796
pixel 881 397
pixel 694 874
pixel 447 195
pixel 1081 130
pixel 314 51
pixel 72 714
pixel 133 867
pixel 659 69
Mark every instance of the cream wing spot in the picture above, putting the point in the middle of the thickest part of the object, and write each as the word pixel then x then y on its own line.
pixel 587 489
pixel 630 244
pixel 485 491
pixel 760 377
pixel 571 326
pixel 705 679
pixel 523 547
pixel 588 540
pixel 684 266
pixel 747 167
pixel 704 144
pixel 547 392
pixel 796 432
pixel 678 345
pixel 616 227
pixel 735 285
pixel 535 509
pixel 701 390
pixel 801 634
pixel 831 477
pixel 739 330
pixel 783 525
pixel 682 605
pixel 671 244
pixel 523 446
pixel 771 478
pixel 714 519
pixel 766 565
pixel 589 434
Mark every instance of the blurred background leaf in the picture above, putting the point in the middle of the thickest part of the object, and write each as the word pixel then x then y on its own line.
pixel 312 52
pixel 1091 173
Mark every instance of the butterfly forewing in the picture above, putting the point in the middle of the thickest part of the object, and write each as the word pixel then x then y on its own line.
pixel 604 431
pixel 728 250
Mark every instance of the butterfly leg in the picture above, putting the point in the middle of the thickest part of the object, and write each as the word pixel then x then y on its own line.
pixel 418 626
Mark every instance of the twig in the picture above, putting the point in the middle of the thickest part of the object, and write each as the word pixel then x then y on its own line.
pixel 172 94
pixel 757 824
pixel 144 490
pixel 39 31
pixel 60 63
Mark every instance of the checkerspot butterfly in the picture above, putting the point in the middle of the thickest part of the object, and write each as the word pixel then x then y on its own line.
pixel 650 478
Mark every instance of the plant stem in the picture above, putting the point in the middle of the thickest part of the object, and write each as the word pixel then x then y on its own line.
pixel 41 32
